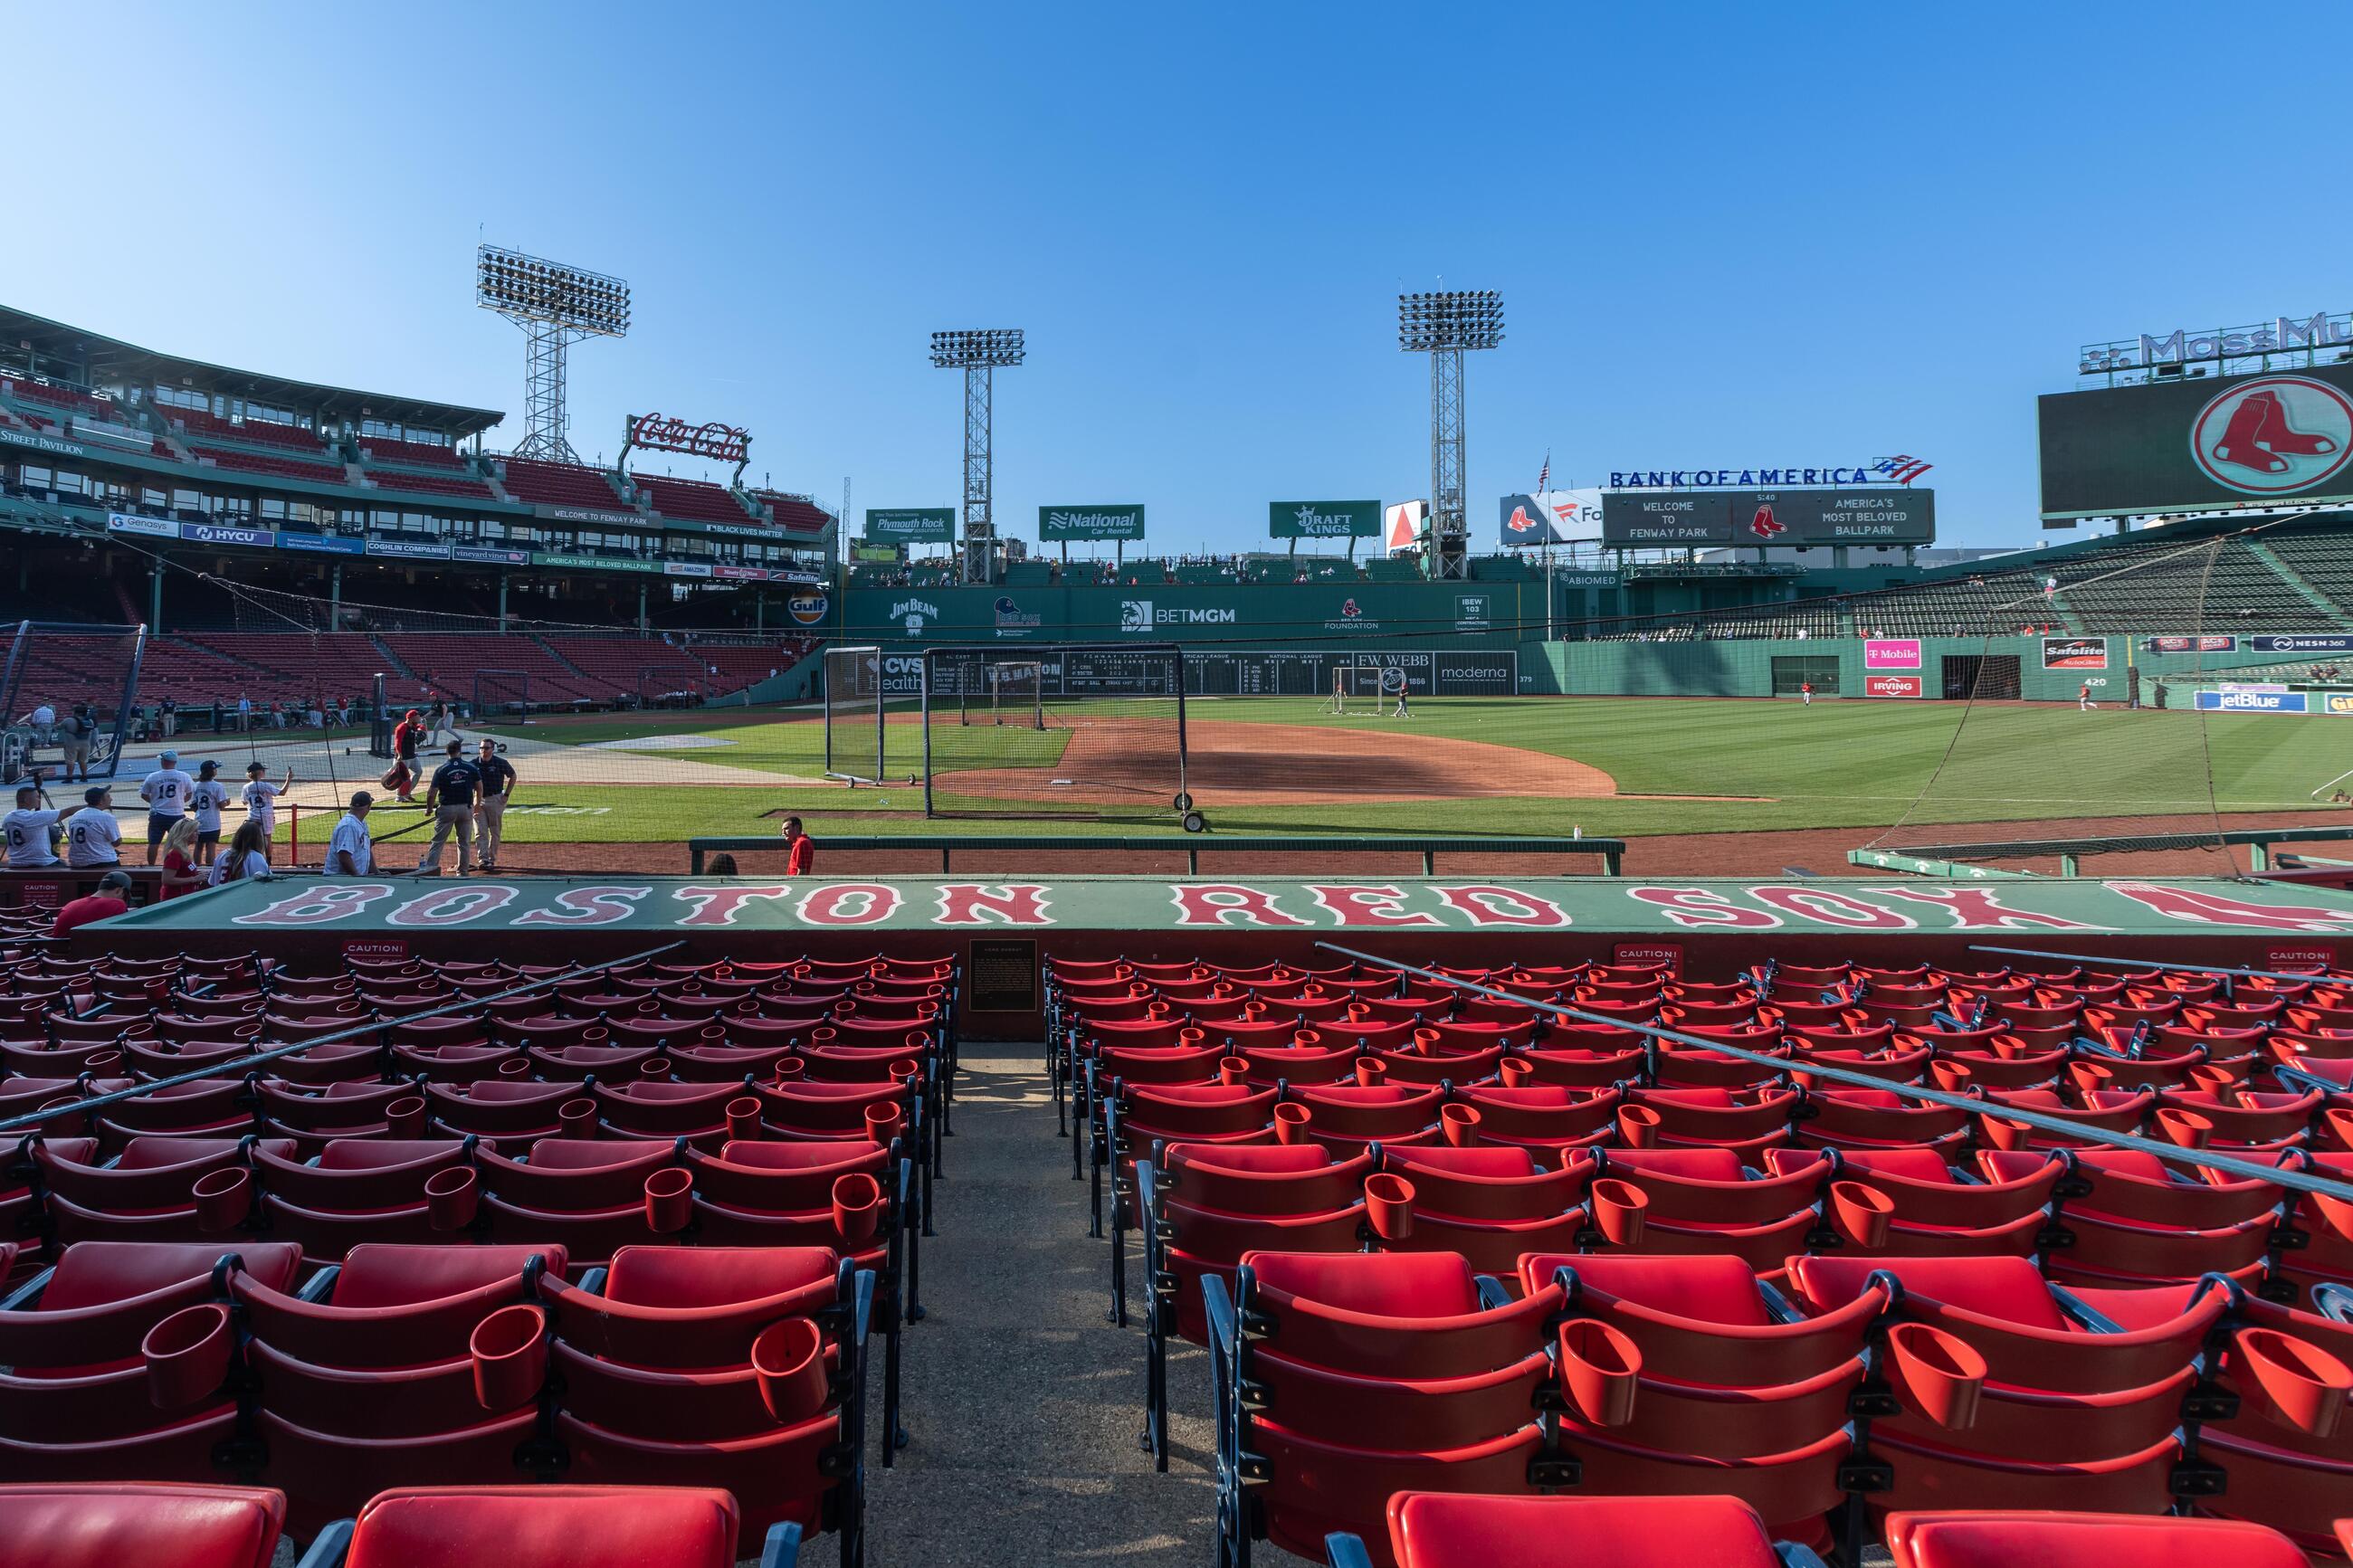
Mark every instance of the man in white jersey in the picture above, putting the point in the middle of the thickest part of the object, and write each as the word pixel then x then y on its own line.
pixel 168 792
pixel 208 801
pixel 44 721
pixel 29 828
pixel 93 838
pixel 351 852
pixel 261 797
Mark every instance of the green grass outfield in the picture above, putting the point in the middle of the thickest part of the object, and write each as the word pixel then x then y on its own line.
pixel 1854 763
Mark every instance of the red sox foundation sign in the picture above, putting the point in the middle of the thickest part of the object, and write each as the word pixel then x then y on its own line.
pixel 398 908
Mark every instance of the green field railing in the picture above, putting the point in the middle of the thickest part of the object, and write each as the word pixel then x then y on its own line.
pixel 1951 860
pixel 1611 851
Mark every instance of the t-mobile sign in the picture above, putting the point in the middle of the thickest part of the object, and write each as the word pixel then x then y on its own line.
pixel 1891 653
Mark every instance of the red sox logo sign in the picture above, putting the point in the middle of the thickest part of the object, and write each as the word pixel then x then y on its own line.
pixel 1350 611
pixel 2273 435
pixel 1522 522
pixel 1763 526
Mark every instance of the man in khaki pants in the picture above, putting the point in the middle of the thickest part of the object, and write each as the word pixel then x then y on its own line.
pixel 490 816
pixel 449 802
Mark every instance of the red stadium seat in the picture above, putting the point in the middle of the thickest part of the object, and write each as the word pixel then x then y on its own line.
pixel 2003 1539
pixel 110 1524
pixel 549 1526
pixel 1436 1530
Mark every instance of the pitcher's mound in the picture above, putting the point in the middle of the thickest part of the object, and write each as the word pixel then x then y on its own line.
pixel 1109 761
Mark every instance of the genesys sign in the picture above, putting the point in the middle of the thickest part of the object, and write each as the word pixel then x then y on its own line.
pixel 147 527
pixel 396 909
pixel 1893 686
pixel 2244 700
pixel 2075 653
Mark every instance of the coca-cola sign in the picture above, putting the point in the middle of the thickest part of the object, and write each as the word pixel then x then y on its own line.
pixel 667 433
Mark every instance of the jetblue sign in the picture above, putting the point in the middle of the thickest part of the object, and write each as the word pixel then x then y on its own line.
pixel 2244 702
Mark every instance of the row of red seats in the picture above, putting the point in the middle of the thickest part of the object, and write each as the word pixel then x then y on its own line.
pixel 410 1366
pixel 197 424
pixel 382 449
pixel 560 484
pixel 692 499
pixel 59 396
pixel 1868 1386
pixel 104 1524
pixel 1436 1530
pixel 432 484
pixel 254 463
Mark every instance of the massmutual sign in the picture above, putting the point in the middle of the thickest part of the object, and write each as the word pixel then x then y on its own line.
pixel 1324 519
pixel 2183 345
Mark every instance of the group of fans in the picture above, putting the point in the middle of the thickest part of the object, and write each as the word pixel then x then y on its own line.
pixel 465 797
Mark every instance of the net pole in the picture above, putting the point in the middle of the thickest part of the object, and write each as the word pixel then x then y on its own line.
pixel 923 717
pixel 1178 655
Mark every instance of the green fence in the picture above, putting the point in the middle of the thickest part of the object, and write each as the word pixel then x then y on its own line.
pixel 1611 851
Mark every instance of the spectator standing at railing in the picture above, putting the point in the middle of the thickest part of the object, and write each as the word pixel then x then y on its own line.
pixel 351 852
pixel 800 850
pixel 244 712
pixel 207 802
pixel 167 791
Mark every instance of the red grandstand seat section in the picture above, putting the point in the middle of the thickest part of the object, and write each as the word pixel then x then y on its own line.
pixel 1439 1530
pixel 2003 1539
pixel 108 1525
pixel 740 1367
pixel 1368 1375
pixel 550 1526
pixel 83 1398
pixel 371 1375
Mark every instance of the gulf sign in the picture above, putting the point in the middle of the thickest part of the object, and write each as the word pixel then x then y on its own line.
pixel 1891 653
pixel 809 609
pixel 1893 686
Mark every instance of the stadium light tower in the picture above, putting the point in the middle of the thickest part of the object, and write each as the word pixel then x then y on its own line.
pixel 1443 326
pixel 552 304
pixel 978 354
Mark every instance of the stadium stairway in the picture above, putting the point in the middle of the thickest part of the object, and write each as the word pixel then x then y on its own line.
pixel 2304 590
pixel 1029 1452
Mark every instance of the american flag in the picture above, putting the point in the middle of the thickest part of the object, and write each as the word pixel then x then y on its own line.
pixel 1902 470
pixel 1544 476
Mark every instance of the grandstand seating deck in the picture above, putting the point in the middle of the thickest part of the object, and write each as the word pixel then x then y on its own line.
pixel 451 484
pixel 694 499
pixel 200 426
pixel 562 484
pixel 2323 560
pixel 70 399
pixel 423 453
pixel 255 463
pixel 795 514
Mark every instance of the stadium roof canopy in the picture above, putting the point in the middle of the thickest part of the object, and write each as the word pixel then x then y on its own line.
pixel 95 360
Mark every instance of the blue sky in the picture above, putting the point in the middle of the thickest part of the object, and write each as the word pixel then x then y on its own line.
pixel 1726 233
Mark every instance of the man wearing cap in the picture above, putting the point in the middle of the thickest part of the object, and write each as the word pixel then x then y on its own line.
pixel 406 737
pixel 112 899
pixel 490 816
pixel 31 828
pixel 93 837
pixel 351 852
pixel 168 792
pixel 449 802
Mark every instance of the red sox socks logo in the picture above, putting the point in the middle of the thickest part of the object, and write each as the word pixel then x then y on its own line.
pixel 1763 526
pixel 2274 435
pixel 1521 522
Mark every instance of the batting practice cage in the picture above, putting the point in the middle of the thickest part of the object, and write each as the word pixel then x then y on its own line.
pixel 856 736
pixel 1077 729
pixel 87 677
pixel 502 696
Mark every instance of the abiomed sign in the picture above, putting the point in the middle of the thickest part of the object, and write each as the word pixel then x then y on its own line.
pixel 1260 904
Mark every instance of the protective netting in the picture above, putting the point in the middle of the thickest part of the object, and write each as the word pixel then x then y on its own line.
pixel 2130 753
pixel 1076 730
pixel 856 739
pixel 69 699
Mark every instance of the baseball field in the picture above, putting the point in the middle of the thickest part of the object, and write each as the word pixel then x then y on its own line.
pixel 1629 767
